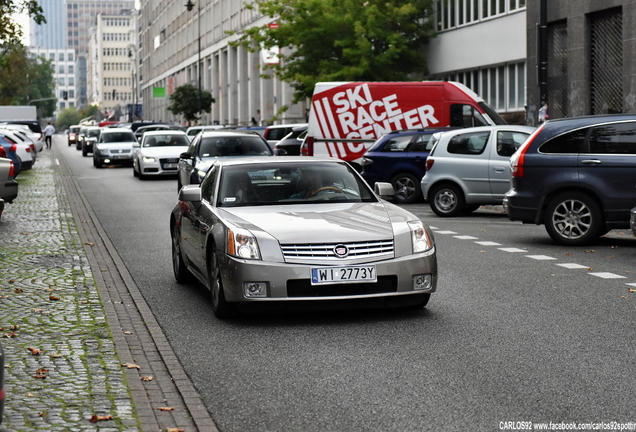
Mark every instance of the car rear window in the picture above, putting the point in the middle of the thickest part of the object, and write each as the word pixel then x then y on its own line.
pixel 277 133
pixel 118 137
pixel 233 146
pixel 472 143
pixel 618 138
pixel 166 141
pixel 397 144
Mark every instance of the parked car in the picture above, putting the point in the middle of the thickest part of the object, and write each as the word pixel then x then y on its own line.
pixel 290 144
pixel 158 153
pixel 576 176
pixel 73 132
pixel 468 168
pixel 11 151
pixel 24 130
pixel 399 158
pixel 25 150
pixel 8 184
pixel 192 131
pixel 211 145
pixel 114 147
pixel 258 129
pixel 275 133
pixel 290 229
pixel 80 137
pixel 90 138
pixel 35 127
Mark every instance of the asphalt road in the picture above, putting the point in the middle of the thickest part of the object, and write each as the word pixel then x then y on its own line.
pixel 513 334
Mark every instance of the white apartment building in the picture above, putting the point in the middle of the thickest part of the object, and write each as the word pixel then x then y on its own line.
pixel 169 55
pixel 111 65
pixel 63 63
pixel 482 43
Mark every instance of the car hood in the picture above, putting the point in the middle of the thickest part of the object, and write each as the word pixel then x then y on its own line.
pixel 165 151
pixel 115 145
pixel 320 223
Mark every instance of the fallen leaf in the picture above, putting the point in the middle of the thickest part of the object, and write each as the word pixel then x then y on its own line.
pixel 482 251
pixel 54 298
pixel 631 290
pixel 568 254
pixel 590 269
pixel 128 332
pixel 89 244
pixel 4 296
pixel 97 418
pixel 24 233
pixel 39 376
pixel 177 429
pixel 55 355
pixel 34 351
pixel 11 280
pixel 589 250
pixel 131 365
pixel 165 409
pixel 36 310
pixel 42 371
pixel 9 335
pixel 49 290
pixel 14 327
pixel 613 247
pixel 146 378
pixel 30 395
pixel 18 290
pixel 85 302
pixel 41 414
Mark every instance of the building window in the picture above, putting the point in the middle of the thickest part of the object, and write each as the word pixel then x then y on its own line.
pixel 52 56
pixel 70 56
pixel 71 94
pixel 455 13
pixel 70 69
pixel 62 105
pixel 61 81
pixel 61 69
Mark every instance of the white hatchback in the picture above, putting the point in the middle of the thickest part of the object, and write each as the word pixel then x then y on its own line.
pixel 468 168
pixel 25 148
pixel 158 153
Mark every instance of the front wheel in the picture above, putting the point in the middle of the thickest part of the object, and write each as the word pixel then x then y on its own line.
pixel 84 152
pixel 447 200
pixel 574 219
pixel 221 308
pixel 97 163
pixel 407 188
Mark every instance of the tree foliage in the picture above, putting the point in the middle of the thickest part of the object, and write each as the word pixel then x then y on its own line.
pixel 68 117
pixel 24 79
pixel 344 40
pixel 185 100
pixel 10 30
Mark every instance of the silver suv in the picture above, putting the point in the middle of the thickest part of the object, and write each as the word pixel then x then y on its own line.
pixel 468 168
pixel 114 147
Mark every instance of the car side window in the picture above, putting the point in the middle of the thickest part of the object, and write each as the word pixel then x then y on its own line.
pixel 209 184
pixel 568 143
pixel 618 138
pixel 422 143
pixel 472 143
pixel 508 142
pixel 397 144
pixel 466 116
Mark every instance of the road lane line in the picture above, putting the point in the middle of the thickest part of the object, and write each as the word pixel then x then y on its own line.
pixel 541 257
pixel 513 250
pixel 607 275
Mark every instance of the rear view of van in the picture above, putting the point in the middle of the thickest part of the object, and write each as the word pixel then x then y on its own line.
pixel 347 117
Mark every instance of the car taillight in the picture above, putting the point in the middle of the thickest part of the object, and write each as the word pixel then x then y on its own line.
pixel 28 149
pixel 518 158
pixel 3 152
pixel 307 145
pixel 429 163
pixel 32 147
pixel 41 134
pixel 11 170
pixel 14 148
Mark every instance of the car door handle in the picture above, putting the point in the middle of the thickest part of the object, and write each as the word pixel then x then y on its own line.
pixel 591 161
pixel 499 169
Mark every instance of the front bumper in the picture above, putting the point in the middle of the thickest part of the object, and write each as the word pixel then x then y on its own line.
pixel 10 188
pixel 291 282
pixel 161 167
pixel 114 158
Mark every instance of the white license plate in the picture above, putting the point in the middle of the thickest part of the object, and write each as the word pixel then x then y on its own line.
pixel 333 275
pixel 120 157
pixel 170 165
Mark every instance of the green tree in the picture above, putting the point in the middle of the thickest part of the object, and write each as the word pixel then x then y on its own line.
pixel 10 30
pixel 68 117
pixel 41 85
pixel 344 40
pixel 89 111
pixel 185 100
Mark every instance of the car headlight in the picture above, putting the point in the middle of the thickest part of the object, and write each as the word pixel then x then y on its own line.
pixel 242 244
pixel 103 152
pixel 148 159
pixel 420 239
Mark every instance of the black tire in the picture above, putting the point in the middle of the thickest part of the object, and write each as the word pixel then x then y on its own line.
pixel 407 188
pixel 574 219
pixel 181 272
pixel 135 174
pixel 97 163
pixel 221 308
pixel 84 152
pixel 447 200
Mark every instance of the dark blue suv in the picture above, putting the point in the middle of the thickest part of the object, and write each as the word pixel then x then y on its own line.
pixel 399 158
pixel 577 176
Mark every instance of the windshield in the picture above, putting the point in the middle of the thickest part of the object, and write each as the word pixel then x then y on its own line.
pixel 165 141
pixel 118 137
pixel 283 184
pixel 93 132
pixel 248 145
pixel 492 114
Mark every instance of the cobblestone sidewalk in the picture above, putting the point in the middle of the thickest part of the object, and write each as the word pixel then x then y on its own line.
pixel 61 365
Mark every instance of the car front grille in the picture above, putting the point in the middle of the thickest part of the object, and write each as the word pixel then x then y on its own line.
pixel 304 288
pixel 120 151
pixel 326 251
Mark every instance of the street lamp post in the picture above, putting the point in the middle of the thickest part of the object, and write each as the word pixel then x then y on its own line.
pixel 189 5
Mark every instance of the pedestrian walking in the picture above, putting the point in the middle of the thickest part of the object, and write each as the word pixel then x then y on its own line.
pixel 49 130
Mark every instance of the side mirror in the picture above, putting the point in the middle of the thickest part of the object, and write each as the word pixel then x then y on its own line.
pixel 190 193
pixel 384 190
pixel 185 155
pixel 279 152
pixel 136 144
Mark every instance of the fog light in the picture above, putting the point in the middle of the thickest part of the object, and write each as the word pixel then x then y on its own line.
pixel 106 160
pixel 254 289
pixel 422 282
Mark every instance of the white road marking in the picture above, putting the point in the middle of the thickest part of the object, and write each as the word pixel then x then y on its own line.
pixel 606 275
pixel 445 232
pixel 631 284
pixel 465 237
pixel 488 243
pixel 433 228
pixel 513 250
pixel 541 257
pixel 572 266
